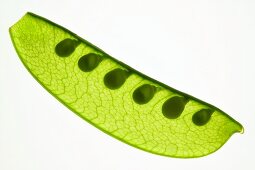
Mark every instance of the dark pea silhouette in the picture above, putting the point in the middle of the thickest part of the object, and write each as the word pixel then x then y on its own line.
pixel 115 78
pixel 144 94
pixel 201 117
pixel 173 107
pixel 89 62
pixel 66 47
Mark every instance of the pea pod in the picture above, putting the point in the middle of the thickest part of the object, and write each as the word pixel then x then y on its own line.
pixel 116 98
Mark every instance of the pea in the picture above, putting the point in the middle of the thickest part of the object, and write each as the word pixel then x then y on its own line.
pixel 116 98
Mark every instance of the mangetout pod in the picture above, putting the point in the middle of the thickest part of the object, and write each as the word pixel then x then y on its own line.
pixel 115 98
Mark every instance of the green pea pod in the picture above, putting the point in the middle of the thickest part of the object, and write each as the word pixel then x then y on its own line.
pixel 117 99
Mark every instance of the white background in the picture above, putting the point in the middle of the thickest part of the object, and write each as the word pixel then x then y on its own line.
pixel 204 48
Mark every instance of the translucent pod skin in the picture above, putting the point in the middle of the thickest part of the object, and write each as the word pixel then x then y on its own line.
pixel 117 99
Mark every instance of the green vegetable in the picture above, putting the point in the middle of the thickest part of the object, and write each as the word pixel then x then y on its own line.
pixel 117 99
